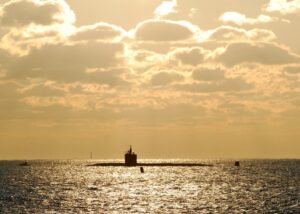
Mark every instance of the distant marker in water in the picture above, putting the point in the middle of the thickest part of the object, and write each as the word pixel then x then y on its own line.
pixel 142 169
pixel 25 163
pixel 237 163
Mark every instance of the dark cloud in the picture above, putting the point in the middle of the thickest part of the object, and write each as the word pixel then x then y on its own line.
pixel 206 74
pixel 25 12
pixel 165 78
pixel 159 30
pixel 262 53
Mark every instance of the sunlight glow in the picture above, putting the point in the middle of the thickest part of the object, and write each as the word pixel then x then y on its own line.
pixel 283 6
pixel 241 19
pixel 166 8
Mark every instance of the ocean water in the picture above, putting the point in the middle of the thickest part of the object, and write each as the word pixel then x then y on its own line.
pixel 257 186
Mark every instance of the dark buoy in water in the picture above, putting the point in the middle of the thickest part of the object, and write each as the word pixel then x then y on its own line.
pixel 142 169
pixel 236 163
pixel 25 163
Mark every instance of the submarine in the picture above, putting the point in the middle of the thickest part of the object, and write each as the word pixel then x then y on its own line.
pixel 130 160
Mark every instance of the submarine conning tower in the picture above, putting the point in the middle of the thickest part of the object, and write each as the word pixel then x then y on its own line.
pixel 130 158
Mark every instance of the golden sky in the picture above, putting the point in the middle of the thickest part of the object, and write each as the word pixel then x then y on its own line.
pixel 175 79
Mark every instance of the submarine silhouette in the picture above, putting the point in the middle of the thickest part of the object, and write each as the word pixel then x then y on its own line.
pixel 130 159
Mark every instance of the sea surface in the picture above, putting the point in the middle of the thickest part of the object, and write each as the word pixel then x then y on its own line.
pixel 257 186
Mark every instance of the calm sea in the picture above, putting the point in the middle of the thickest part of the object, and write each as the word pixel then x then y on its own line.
pixel 257 186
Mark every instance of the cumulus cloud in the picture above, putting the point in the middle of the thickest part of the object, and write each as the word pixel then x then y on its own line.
pixel 165 78
pixel 67 63
pixel 164 31
pixel 98 31
pixel 20 42
pixel 25 12
pixel 283 6
pixel 241 19
pixel 189 56
pixel 262 53
pixel 33 23
pixel 228 33
pixel 226 85
pixel 208 74
pixel 166 8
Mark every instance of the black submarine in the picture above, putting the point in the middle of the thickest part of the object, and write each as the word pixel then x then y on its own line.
pixel 130 160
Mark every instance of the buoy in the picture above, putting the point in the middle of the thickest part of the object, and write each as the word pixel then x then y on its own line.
pixel 142 169
pixel 237 163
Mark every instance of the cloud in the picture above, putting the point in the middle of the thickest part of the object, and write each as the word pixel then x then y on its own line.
pixel 226 85
pixel 164 31
pixel 166 8
pixel 98 31
pixel 228 33
pixel 20 42
pixel 283 6
pixel 67 63
pixel 43 90
pixel 16 13
pixel 111 77
pixel 189 56
pixel 262 53
pixel 146 57
pixel 73 102
pixel 292 69
pixel 165 78
pixel 33 23
pixel 207 74
pixel 241 19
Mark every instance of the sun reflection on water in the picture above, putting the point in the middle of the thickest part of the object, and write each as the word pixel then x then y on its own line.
pixel 72 187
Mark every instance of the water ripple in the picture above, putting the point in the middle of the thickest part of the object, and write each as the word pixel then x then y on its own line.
pixel 71 187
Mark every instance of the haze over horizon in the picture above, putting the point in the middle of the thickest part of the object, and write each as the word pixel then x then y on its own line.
pixel 175 79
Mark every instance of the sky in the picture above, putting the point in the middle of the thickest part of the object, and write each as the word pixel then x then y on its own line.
pixel 174 79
